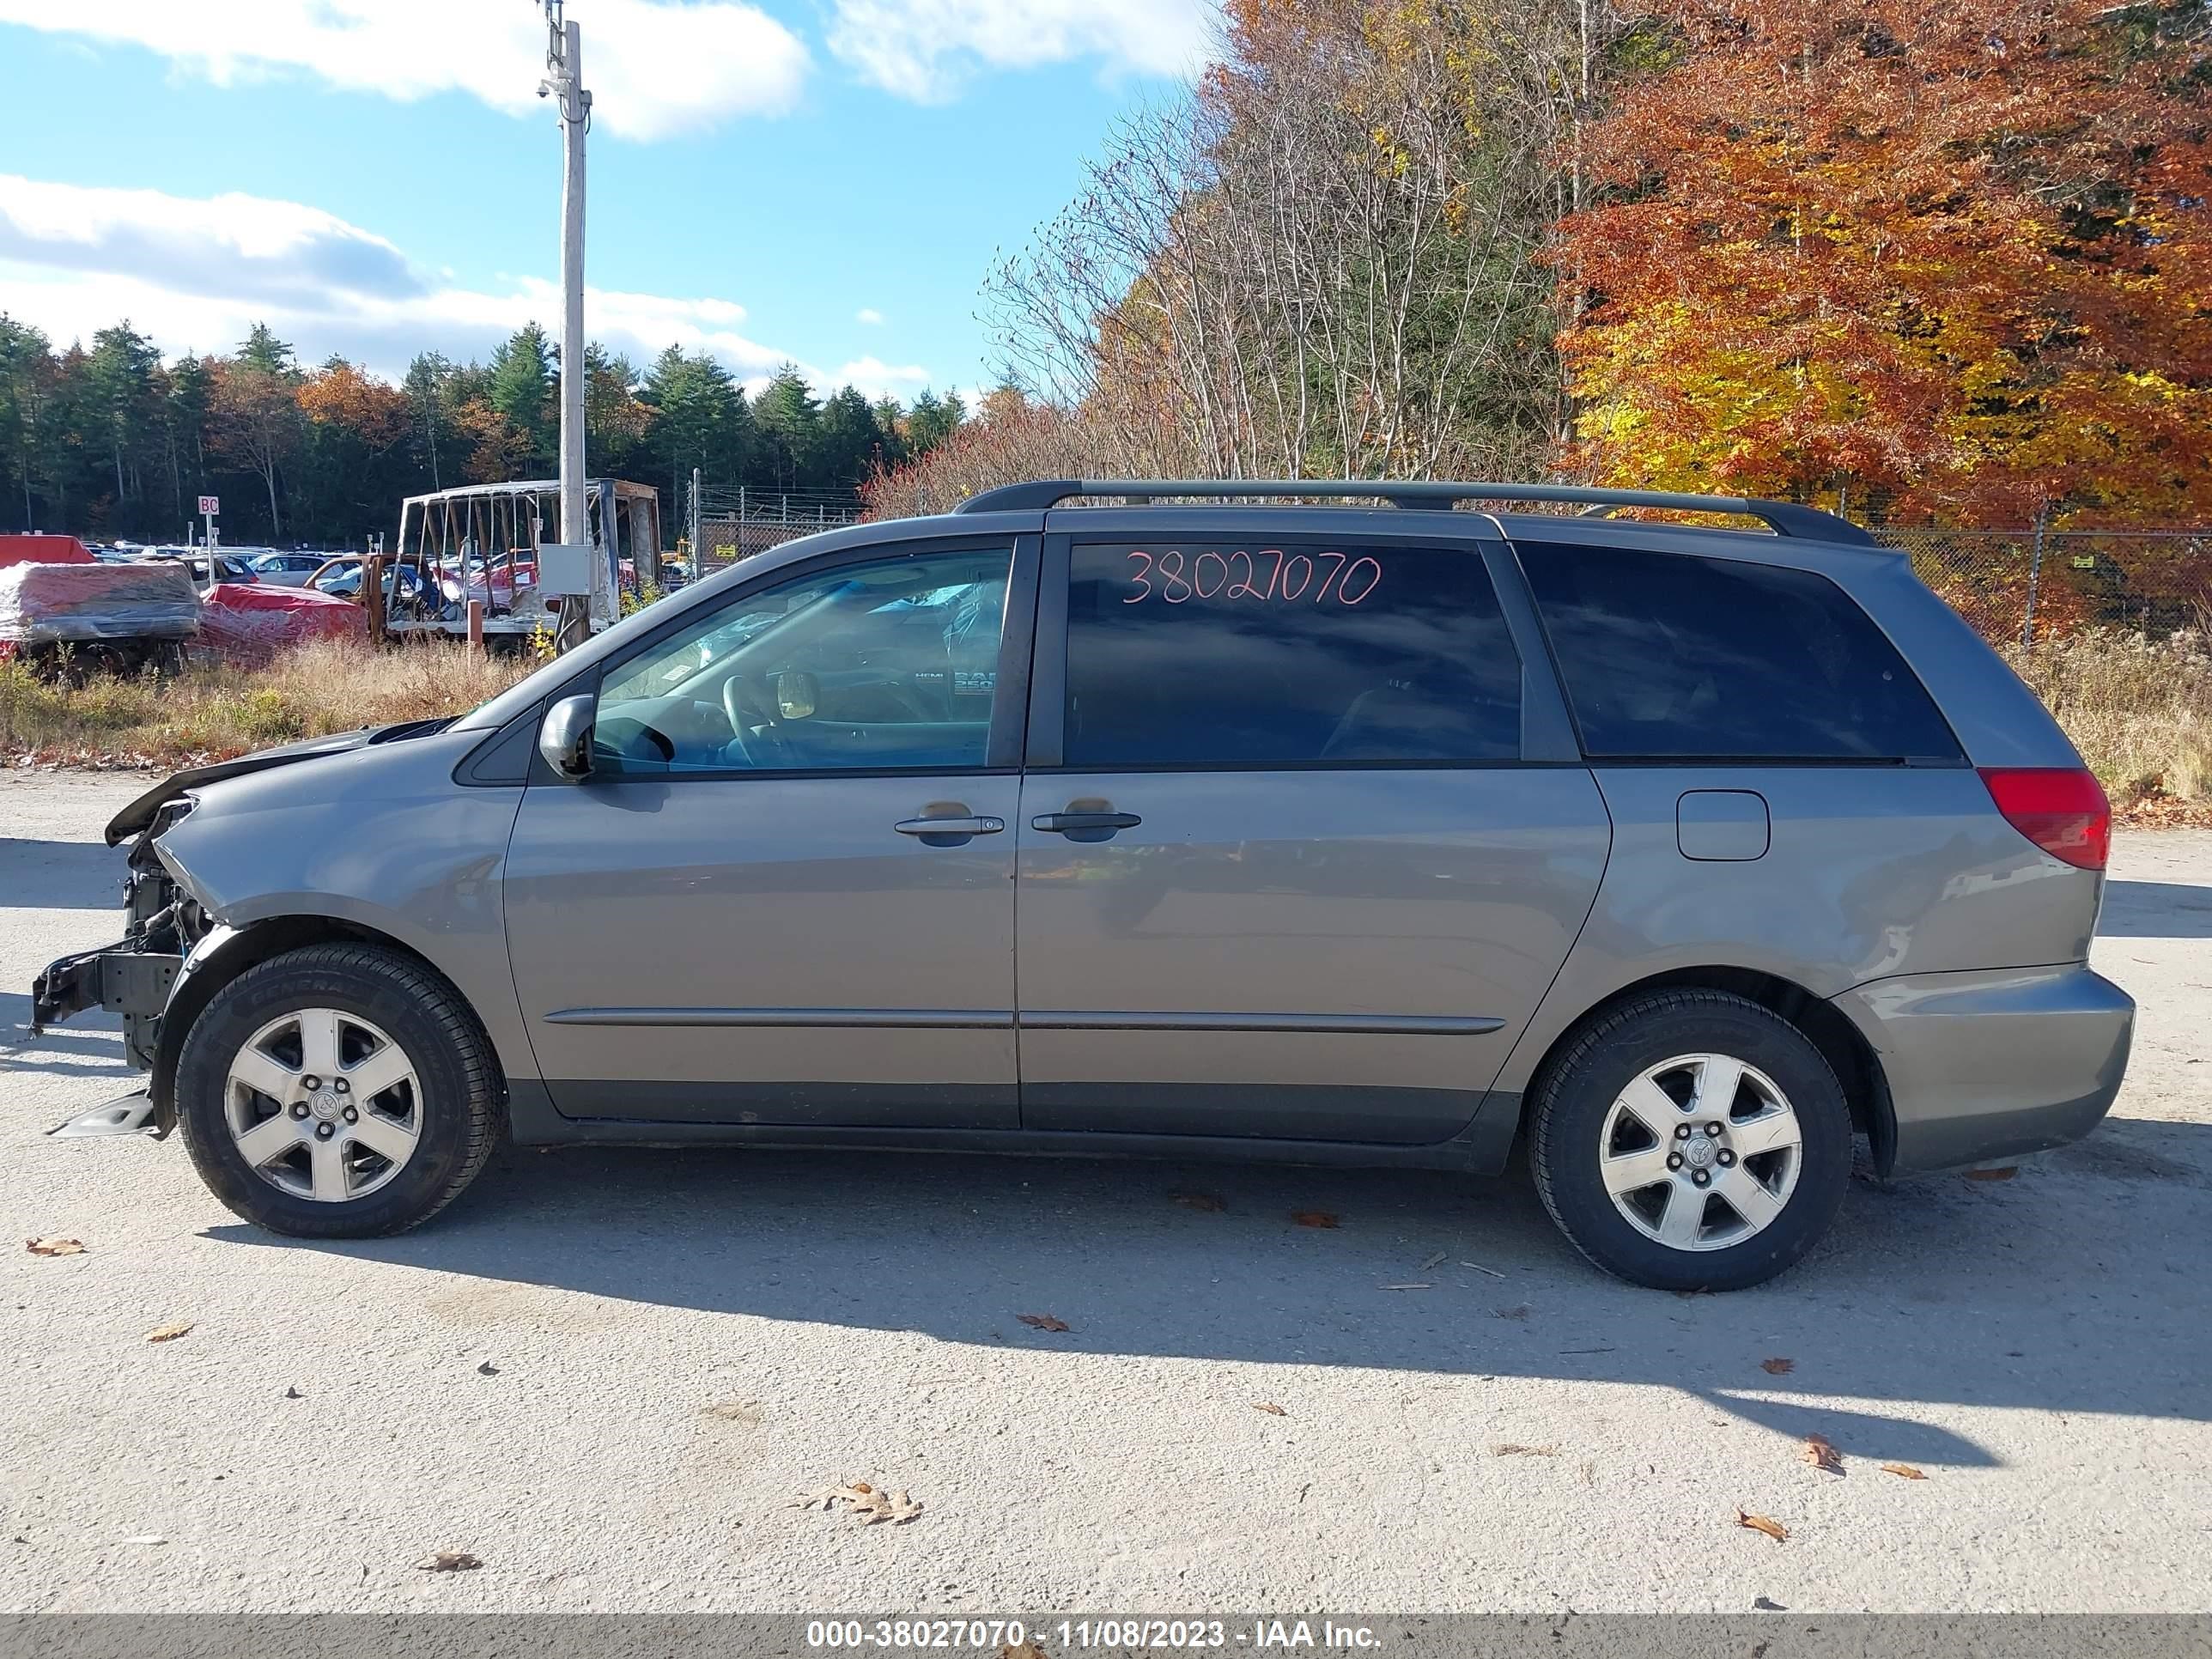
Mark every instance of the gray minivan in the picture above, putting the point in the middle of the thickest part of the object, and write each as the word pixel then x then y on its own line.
pixel 1378 833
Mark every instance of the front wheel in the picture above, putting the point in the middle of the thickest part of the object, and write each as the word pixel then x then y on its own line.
pixel 337 1091
pixel 1691 1140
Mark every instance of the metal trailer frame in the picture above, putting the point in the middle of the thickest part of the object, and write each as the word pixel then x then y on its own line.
pixel 471 521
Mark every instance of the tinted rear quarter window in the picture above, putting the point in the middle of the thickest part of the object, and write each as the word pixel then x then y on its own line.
pixel 1674 657
pixel 1310 655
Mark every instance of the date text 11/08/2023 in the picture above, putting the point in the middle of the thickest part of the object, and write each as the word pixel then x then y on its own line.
pixel 1013 1635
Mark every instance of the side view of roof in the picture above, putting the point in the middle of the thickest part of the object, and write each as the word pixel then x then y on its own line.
pixel 1783 518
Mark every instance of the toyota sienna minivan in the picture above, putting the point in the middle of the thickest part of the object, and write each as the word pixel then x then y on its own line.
pixel 1173 819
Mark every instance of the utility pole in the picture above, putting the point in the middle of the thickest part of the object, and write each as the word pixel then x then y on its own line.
pixel 564 83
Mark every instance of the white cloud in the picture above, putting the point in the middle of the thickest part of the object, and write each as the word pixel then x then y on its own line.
pixel 654 67
pixel 925 49
pixel 868 317
pixel 877 379
pixel 196 274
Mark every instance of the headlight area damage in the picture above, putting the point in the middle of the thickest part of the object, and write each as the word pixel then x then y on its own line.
pixel 163 920
pixel 133 976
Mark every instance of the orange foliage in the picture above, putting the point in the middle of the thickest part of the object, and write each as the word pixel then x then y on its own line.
pixel 1946 260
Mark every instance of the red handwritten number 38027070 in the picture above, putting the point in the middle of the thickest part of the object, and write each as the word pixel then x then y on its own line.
pixel 1266 575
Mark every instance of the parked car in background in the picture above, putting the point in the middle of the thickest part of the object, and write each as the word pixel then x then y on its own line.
pixel 1395 835
pixel 288 569
pixel 208 570
pixel 406 586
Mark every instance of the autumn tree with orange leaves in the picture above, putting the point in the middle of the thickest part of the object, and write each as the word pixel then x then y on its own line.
pixel 1944 261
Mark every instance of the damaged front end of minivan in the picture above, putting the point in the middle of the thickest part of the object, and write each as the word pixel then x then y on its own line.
pixel 164 923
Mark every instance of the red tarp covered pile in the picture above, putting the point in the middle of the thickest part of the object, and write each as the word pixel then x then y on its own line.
pixel 35 549
pixel 252 623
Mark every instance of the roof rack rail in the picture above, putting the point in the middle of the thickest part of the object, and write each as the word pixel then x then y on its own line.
pixel 1783 518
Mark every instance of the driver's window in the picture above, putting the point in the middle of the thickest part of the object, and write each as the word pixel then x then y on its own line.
pixel 888 664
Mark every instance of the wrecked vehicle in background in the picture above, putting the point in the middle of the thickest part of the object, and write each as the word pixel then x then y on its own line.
pixel 72 618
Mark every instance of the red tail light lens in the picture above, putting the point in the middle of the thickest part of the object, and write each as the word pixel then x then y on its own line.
pixel 2062 810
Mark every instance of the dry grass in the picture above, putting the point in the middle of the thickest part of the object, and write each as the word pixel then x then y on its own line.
pixel 2140 710
pixel 214 713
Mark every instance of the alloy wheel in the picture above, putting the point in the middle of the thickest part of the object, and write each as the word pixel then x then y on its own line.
pixel 1700 1152
pixel 323 1105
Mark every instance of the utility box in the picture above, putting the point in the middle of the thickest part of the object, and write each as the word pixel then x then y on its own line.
pixel 564 569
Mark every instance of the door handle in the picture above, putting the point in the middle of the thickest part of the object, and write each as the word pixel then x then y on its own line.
pixel 929 829
pixel 1074 824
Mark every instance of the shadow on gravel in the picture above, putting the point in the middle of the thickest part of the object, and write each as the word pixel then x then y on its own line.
pixel 60 875
pixel 2155 910
pixel 2077 1287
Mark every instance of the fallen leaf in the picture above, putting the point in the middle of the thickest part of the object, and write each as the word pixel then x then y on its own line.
pixel 1904 1471
pixel 1521 1311
pixel 1025 1648
pixel 1778 1366
pixel 2005 1173
pixel 1313 1218
pixel 747 1412
pixel 1205 1201
pixel 1821 1454
pixel 168 1333
pixel 1432 1262
pixel 1772 1529
pixel 487 1369
pixel 54 1246
pixel 1508 1448
pixel 449 1561
pixel 1043 1322
pixel 863 1501
pixel 294 1394
pixel 1764 1604
pixel 1271 1410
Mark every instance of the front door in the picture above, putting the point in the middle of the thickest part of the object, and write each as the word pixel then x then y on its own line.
pixel 1288 868
pixel 785 893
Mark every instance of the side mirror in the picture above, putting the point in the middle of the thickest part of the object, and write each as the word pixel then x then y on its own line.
pixel 798 694
pixel 564 738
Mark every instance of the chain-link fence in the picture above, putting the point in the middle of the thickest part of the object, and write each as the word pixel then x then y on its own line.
pixel 2019 586
pixel 726 524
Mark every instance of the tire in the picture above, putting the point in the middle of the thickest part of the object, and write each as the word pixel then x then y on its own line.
pixel 1645 1069
pixel 331 1161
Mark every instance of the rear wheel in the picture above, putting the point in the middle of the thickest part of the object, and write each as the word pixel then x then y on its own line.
pixel 1691 1140
pixel 337 1091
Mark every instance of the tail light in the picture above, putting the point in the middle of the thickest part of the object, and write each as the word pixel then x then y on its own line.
pixel 2061 809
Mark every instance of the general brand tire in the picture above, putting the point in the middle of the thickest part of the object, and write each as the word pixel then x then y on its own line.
pixel 454 1087
pixel 1584 1094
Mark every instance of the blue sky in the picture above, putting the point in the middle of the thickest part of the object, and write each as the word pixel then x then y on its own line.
pixel 825 180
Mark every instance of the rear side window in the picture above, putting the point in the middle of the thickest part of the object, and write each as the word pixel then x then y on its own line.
pixel 1673 658
pixel 1182 655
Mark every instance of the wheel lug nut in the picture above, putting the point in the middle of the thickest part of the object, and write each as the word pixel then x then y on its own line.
pixel 1701 1177
pixel 311 1084
pixel 324 1132
pixel 1682 1132
pixel 1712 1129
pixel 299 1109
pixel 1726 1158
pixel 1673 1160
pixel 343 1086
pixel 351 1116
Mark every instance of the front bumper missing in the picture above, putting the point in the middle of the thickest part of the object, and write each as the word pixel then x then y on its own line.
pixel 135 984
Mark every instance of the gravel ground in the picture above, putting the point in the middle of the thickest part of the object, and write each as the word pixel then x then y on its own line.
pixel 608 1374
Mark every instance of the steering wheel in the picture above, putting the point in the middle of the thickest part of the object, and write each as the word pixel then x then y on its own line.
pixel 766 747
